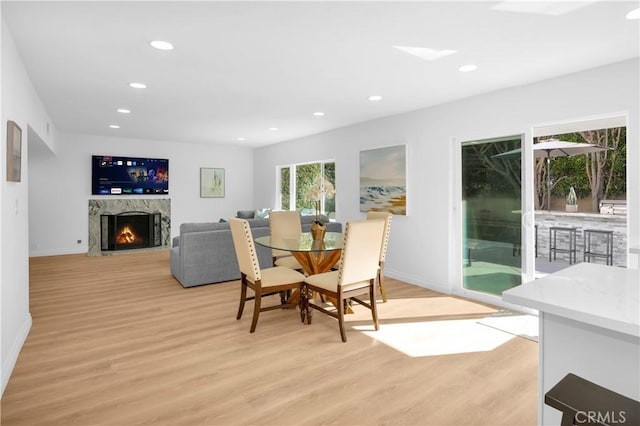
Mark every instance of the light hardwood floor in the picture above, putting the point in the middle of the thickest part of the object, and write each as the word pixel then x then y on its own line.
pixel 117 341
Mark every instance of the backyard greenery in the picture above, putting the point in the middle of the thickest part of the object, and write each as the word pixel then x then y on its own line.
pixel 600 175
pixel 313 181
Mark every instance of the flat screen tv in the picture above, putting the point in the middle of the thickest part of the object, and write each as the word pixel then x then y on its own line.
pixel 111 175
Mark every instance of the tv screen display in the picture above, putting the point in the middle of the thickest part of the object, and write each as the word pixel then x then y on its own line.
pixel 112 175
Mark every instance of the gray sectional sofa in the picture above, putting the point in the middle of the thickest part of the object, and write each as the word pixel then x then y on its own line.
pixel 203 253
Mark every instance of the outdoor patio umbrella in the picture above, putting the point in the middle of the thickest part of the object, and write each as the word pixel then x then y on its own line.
pixel 551 148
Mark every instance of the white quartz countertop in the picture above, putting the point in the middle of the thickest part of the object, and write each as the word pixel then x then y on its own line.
pixel 604 296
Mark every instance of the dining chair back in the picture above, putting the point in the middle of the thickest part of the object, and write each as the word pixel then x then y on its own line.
pixel 285 224
pixel 355 276
pixel 386 217
pixel 263 282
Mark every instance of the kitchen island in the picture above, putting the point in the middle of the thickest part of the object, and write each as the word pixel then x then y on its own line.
pixel 589 326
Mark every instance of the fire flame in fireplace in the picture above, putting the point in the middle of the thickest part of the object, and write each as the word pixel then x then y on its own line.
pixel 126 235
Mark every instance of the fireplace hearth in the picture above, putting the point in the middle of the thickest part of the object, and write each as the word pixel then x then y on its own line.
pixel 130 231
pixel 124 207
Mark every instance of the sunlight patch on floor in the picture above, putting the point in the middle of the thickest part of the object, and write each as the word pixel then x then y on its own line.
pixel 433 338
pixel 519 325
pixel 421 307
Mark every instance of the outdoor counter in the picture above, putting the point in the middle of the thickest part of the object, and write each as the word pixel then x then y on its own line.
pixel 589 325
pixel 619 217
pixel 617 224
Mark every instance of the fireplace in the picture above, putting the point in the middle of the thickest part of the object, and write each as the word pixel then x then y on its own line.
pixel 130 230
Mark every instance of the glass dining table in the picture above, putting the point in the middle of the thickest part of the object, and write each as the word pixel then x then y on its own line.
pixel 315 257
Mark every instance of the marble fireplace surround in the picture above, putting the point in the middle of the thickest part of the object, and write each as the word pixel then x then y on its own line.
pixel 116 206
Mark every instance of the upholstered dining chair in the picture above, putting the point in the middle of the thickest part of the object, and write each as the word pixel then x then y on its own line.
pixel 285 224
pixel 261 281
pixel 355 276
pixel 386 216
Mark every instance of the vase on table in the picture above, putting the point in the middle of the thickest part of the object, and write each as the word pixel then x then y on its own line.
pixel 317 231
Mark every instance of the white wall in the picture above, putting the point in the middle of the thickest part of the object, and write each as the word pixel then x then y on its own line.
pixel 420 245
pixel 3 374
pixel 21 104
pixel 60 186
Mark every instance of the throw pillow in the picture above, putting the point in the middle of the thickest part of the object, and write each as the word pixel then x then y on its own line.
pixel 245 214
pixel 262 213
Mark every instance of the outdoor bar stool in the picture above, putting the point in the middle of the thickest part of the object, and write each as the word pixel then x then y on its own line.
pixel 608 239
pixel 553 246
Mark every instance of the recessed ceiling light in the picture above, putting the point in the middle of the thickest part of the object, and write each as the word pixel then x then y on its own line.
pixel 124 111
pixel 318 113
pixel 161 45
pixel 634 14
pixel 138 85
pixel 426 53
pixel 114 126
pixel 241 139
pixel 273 129
pixel 467 68
pixel 375 98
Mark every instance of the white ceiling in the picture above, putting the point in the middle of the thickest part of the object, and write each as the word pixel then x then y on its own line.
pixel 239 68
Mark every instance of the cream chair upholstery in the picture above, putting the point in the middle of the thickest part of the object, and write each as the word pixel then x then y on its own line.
pixel 386 217
pixel 356 275
pixel 285 224
pixel 262 282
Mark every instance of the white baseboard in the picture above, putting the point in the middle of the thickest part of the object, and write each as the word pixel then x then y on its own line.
pixel 411 279
pixel 12 357
pixel 56 252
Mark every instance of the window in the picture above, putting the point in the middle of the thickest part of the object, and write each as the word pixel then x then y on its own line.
pixel 305 187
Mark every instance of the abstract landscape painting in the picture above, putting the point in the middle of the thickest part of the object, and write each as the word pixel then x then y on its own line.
pixel 383 179
pixel 211 183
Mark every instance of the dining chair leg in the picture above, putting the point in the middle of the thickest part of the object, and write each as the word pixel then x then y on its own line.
pixel 340 307
pixel 383 292
pixel 307 307
pixel 302 301
pixel 372 301
pixel 243 297
pixel 256 309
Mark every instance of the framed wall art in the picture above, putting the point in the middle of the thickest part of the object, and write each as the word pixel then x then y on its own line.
pixel 383 180
pixel 211 183
pixel 14 151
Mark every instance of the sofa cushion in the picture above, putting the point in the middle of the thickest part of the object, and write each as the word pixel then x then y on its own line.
pixel 203 227
pixel 311 217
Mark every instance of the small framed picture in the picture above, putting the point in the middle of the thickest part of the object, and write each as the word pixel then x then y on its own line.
pixel 14 151
pixel 211 183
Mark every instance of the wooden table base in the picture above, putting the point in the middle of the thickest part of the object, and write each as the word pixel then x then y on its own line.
pixel 317 263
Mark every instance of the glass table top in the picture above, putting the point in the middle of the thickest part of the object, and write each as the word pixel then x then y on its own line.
pixel 332 241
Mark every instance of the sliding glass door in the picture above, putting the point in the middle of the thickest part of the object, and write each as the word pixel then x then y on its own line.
pixel 491 214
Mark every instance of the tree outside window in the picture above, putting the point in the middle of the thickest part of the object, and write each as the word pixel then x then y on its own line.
pixel 595 177
pixel 285 173
pixel 313 185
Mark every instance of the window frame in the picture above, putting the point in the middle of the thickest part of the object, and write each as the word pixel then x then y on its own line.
pixel 292 183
